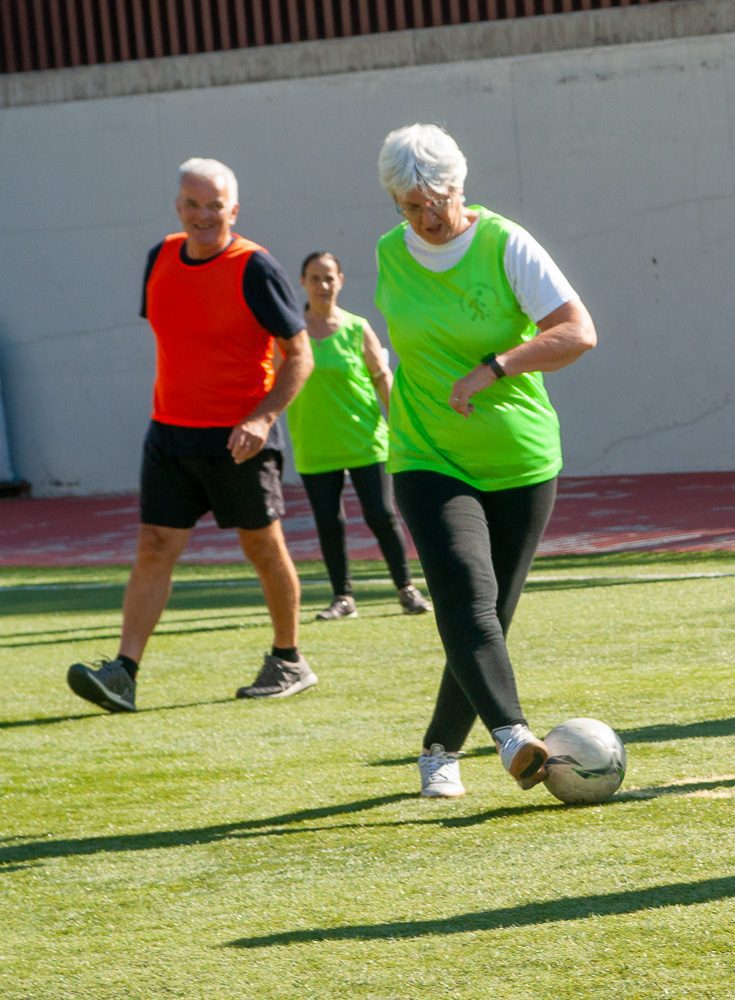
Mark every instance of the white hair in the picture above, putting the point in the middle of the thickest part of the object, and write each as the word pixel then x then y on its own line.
pixel 421 156
pixel 198 166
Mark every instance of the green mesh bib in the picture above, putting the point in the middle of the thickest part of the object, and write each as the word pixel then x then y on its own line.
pixel 440 326
pixel 336 422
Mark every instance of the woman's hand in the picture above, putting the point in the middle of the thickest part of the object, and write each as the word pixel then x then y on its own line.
pixel 466 387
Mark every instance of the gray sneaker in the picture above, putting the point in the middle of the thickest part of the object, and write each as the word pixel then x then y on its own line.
pixel 110 685
pixel 279 678
pixel 412 601
pixel 343 606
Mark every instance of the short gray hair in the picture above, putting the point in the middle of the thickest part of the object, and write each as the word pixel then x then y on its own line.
pixel 198 166
pixel 421 156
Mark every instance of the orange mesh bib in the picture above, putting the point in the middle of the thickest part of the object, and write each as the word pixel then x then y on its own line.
pixel 214 360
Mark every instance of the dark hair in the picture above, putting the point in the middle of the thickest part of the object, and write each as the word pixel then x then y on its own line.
pixel 315 256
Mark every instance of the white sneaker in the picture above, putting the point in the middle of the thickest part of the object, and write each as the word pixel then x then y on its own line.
pixel 522 754
pixel 440 773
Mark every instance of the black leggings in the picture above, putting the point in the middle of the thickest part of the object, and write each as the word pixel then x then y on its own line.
pixel 476 550
pixel 374 490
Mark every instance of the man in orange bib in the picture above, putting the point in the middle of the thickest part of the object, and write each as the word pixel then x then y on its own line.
pixel 218 304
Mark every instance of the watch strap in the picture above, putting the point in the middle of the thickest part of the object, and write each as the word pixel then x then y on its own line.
pixel 491 360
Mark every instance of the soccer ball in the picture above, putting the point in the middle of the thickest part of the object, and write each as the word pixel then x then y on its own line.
pixel 586 761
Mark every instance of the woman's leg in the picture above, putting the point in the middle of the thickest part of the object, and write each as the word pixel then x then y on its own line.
pixel 473 602
pixel 374 488
pixel 324 490
pixel 517 520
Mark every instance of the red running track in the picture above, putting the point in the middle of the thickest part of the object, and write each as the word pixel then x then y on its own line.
pixel 676 511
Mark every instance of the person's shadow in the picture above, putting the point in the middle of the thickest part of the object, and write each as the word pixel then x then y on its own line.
pixel 16 851
pixel 545 912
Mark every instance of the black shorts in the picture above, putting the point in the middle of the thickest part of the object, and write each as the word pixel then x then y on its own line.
pixel 176 490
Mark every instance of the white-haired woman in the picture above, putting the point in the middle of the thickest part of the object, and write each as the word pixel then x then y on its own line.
pixel 476 311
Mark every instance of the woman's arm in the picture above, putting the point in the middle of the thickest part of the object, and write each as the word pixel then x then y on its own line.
pixel 373 352
pixel 564 335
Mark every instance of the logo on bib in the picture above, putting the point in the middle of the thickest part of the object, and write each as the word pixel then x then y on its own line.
pixel 476 303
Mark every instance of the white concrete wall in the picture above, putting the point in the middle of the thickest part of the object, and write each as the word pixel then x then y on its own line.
pixel 618 158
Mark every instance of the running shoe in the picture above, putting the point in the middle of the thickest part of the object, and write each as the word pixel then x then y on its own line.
pixel 440 773
pixel 412 601
pixel 343 606
pixel 109 685
pixel 279 678
pixel 522 754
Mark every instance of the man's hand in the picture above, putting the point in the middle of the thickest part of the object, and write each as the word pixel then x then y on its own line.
pixel 249 435
pixel 248 438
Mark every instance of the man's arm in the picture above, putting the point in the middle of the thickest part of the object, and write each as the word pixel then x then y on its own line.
pixel 250 434
pixel 152 258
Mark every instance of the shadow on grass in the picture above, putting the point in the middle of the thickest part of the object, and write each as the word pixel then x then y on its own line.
pixel 32 852
pixel 101 714
pixel 112 633
pixel 213 622
pixel 103 597
pixel 39 850
pixel 680 788
pixel 227 594
pixel 645 734
pixel 589 583
pixel 638 558
pixel 663 732
pixel 550 911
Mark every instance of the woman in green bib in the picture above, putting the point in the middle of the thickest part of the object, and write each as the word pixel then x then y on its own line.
pixel 336 426
pixel 476 311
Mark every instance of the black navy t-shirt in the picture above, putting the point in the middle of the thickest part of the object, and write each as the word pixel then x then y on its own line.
pixel 270 295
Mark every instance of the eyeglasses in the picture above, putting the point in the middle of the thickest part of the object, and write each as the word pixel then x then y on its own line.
pixel 435 205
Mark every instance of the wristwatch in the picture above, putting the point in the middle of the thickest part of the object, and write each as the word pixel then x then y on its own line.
pixel 492 361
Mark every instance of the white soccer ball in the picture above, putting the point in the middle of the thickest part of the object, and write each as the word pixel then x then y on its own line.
pixel 586 761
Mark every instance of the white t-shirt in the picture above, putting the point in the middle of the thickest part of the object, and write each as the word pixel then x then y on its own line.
pixel 537 282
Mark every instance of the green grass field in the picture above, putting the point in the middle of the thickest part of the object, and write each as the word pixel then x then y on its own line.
pixel 211 848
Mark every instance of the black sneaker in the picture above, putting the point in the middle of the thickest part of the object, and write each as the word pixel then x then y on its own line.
pixel 110 686
pixel 412 601
pixel 279 678
pixel 343 606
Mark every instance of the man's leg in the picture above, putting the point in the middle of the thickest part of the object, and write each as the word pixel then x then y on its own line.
pixel 266 549
pixel 285 671
pixel 111 684
pixel 149 585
